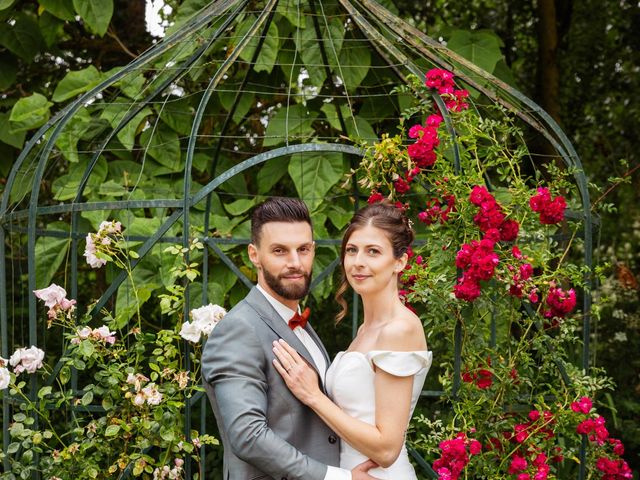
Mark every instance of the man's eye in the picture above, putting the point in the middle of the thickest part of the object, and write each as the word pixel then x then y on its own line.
pixel 278 251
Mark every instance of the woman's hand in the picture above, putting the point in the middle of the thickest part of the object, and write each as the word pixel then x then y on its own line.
pixel 301 379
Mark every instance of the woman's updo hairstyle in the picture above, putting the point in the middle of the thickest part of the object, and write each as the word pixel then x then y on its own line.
pixel 388 218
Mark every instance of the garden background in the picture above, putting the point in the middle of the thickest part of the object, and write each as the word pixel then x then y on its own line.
pixel 579 64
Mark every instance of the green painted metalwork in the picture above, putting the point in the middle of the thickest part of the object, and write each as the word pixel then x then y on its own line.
pixel 401 50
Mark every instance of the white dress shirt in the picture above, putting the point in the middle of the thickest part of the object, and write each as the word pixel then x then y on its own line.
pixel 333 473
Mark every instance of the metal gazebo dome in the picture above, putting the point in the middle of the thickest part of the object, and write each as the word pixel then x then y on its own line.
pixel 239 89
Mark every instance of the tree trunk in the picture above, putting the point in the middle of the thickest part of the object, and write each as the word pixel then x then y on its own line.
pixel 548 70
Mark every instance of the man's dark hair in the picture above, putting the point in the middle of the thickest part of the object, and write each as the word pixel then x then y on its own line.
pixel 278 209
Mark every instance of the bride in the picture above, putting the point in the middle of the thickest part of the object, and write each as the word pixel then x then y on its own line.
pixel 376 383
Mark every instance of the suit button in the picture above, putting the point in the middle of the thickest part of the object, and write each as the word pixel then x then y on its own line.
pixel 332 439
pixel 284 478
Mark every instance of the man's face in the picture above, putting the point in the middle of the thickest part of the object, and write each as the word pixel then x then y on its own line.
pixel 284 259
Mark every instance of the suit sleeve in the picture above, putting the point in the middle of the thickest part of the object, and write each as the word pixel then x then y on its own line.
pixel 234 364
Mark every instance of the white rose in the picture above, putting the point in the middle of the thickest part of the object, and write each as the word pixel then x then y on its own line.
pixel 84 333
pixel 207 317
pixel 27 359
pixel 51 295
pixel 154 397
pixel 138 400
pixel 191 332
pixel 5 378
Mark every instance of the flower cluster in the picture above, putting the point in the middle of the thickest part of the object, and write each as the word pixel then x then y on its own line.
pixel 96 243
pixel 491 219
pixel 531 463
pixel 204 320
pixel 614 469
pixel 26 360
pixel 167 473
pixel 148 394
pixel 455 456
pixel 478 261
pixel 560 302
pixel 5 376
pixel 521 277
pixel 551 210
pixel 595 429
pixel 438 209
pixel 101 334
pixel 442 81
pixel 481 377
pixel 55 298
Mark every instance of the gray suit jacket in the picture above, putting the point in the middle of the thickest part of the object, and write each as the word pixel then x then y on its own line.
pixel 266 432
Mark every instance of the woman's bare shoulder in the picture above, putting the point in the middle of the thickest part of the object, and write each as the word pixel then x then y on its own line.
pixel 402 333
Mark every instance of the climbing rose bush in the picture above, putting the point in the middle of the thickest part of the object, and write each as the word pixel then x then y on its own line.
pixel 497 265
pixel 133 382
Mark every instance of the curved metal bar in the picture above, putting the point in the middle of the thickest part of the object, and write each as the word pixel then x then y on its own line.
pixel 213 9
pixel 278 152
pixel 92 206
pixel 210 187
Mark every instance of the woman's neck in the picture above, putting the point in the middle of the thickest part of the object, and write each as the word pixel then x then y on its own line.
pixel 380 307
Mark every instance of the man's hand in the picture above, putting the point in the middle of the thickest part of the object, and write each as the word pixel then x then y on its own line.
pixel 361 471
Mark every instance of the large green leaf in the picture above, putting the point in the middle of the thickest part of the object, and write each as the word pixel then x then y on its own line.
pixel 66 186
pixel 76 82
pixel 67 141
pixel 308 46
pixel 353 65
pixel 51 28
pixel 162 144
pixel 314 174
pixel 357 127
pixel 114 114
pixel 482 47
pixel 132 295
pixel 269 50
pixel 13 139
pixel 29 113
pixel 244 103
pixel 22 37
pixel 294 121
pixel 63 9
pixel 270 173
pixel 178 113
pixel 4 4
pixel 240 206
pixel 50 253
pixel 95 13
pixel 323 258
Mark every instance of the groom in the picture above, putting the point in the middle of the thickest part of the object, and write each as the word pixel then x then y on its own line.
pixel 266 432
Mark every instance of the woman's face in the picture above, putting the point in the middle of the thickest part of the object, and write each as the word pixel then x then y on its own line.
pixel 369 262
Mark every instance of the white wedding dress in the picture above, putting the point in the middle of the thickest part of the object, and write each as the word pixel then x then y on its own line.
pixel 350 383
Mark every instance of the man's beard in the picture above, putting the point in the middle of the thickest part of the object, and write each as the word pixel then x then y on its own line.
pixel 290 292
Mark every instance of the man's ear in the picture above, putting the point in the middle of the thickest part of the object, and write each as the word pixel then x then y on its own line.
pixel 253 254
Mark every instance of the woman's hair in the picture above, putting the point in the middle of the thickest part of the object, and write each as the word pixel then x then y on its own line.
pixel 388 218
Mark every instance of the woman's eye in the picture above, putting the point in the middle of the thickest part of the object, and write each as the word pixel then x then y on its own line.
pixel 350 250
pixel 373 251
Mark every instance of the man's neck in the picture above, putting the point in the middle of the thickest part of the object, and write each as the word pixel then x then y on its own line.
pixel 292 304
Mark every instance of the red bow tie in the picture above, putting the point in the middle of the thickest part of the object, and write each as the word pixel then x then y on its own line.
pixel 299 320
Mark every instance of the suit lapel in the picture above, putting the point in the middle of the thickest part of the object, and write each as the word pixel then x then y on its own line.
pixel 275 322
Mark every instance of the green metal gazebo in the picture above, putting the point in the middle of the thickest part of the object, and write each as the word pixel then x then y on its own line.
pixel 239 89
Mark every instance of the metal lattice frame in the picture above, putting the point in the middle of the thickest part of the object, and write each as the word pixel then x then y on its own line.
pixel 399 50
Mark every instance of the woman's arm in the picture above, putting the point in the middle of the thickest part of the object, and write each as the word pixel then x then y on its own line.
pixel 381 442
